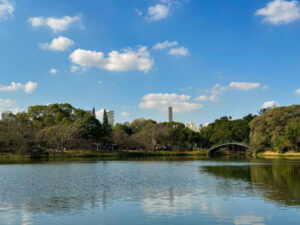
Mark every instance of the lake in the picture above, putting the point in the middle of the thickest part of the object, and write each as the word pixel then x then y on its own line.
pixel 151 192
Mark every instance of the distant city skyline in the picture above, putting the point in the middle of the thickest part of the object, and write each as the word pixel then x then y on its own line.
pixel 193 55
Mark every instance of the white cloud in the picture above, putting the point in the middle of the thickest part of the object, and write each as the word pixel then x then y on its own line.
pixel 127 60
pixel 270 105
pixel 6 103
pixel 6 9
pixel 9 105
pixel 280 12
pixel 180 103
pixel 29 87
pixel 297 91
pixel 53 71
pixel 180 51
pixel 244 86
pixel 165 44
pixel 205 98
pixel 55 24
pixel 125 114
pixel 265 87
pixel 162 9
pixel 138 12
pixel 73 69
pixel 58 44
pixel 214 93
pixel 158 12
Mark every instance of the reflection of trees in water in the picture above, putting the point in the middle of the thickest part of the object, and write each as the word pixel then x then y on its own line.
pixel 278 182
pixel 281 182
pixel 58 204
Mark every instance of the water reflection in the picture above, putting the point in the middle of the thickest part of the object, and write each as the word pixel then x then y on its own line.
pixel 127 192
pixel 277 181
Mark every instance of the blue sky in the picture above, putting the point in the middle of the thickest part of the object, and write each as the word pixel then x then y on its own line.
pixel 205 58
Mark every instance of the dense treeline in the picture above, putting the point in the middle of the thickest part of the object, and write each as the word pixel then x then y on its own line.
pixel 277 129
pixel 61 126
pixel 150 135
pixel 225 130
pixel 56 126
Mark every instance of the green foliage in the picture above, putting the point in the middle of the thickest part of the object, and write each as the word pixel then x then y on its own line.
pixel 150 135
pixel 55 126
pixel 61 126
pixel 281 144
pixel 269 130
pixel 226 130
pixel 292 133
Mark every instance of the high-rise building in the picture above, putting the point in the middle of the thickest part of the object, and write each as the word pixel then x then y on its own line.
pixel 192 126
pixel 6 115
pixel 111 117
pixel 170 114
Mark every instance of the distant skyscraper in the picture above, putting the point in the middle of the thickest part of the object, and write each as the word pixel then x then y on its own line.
pixel 6 115
pixel 192 126
pixel 94 112
pixel 170 114
pixel 111 117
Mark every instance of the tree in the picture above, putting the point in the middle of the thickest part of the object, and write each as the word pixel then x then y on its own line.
pixel 267 128
pixel 292 133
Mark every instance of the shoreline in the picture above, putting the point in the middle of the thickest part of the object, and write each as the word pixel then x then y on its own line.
pixel 80 154
pixel 274 155
pixel 132 154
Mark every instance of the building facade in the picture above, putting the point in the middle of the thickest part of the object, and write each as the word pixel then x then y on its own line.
pixel 111 117
pixel 192 126
pixel 170 114
pixel 6 115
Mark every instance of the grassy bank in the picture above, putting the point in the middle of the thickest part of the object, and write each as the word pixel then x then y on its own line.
pixel 270 154
pixel 80 154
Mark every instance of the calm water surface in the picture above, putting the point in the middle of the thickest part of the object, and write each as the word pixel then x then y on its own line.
pixel 151 192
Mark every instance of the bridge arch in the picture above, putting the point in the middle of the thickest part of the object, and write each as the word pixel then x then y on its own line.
pixel 240 146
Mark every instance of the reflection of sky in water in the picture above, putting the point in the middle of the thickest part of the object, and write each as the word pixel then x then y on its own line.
pixel 190 192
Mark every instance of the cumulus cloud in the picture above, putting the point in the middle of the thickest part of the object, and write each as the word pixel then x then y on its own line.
pixel 158 12
pixel 125 114
pixel 6 9
pixel 214 93
pixel 244 86
pixel 269 105
pixel 58 44
pixel 205 98
pixel 9 105
pixel 127 60
pixel 165 44
pixel 53 71
pixel 297 91
pixel 180 103
pixel 6 103
pixel 280 12
pixel 180 51
pixel 55 24
pixel 29 87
